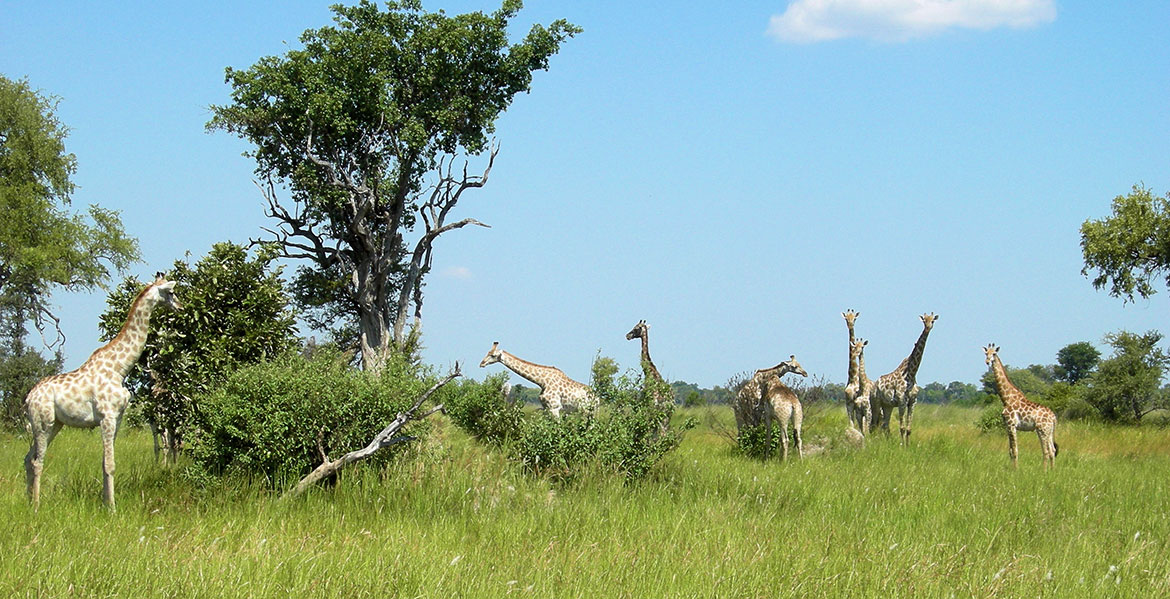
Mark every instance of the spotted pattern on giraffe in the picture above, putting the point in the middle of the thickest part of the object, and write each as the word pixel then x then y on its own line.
pixel 1021 414
pixel 558 392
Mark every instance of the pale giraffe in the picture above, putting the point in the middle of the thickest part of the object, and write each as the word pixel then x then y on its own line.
pixel 557 391
pixel 765 391
pixel 860 385
pixel 659 389
pixel 93 395
pixel 898 388
pixel 1020 414
pixel 852 387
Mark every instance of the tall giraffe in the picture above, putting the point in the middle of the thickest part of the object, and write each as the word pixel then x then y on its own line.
pixel 765 391
pixel 557 390
pixel 852 387
pixel 899 388
pixel 860 386
pixel 1019 414
pixel 93 395
pixel 659 389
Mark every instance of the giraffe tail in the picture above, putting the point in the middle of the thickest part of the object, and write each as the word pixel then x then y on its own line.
pixel 1055 449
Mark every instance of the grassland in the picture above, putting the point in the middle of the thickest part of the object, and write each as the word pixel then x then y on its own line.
pixel 944 517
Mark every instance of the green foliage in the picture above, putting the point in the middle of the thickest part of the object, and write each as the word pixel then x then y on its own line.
pixel 1033 381
pixel 1076 361
pixel 354 121
pixel 42 244
pixel 273 420
pixel 235 312
pixel 626 437
pixel 21 367
pixel 1130 248
pixel 1126 385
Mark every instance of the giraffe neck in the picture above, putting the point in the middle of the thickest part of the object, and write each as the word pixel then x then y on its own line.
pixel 910 366
pixel 852 360
pixel 861 378
pixel 648 368
pixel 542 376
pixel 122 352
pixel 1008 393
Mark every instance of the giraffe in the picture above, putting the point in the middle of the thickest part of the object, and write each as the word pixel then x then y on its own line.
pixel 858 388
pixel 852 387
pixel 93 395
pixel 659 390
pixel 557 390
pixel 898 388
pixel 1019 414
pixel 764 390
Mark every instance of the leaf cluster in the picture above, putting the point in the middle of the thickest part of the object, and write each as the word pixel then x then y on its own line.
pixel 279 419
pixel 235 312
pixel 627 436
pixel 1127 250
pixel 42 243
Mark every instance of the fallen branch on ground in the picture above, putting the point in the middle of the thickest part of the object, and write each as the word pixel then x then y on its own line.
pixel 382 440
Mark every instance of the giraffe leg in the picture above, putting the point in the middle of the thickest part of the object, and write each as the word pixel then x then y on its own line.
pixel 797 421
pixel 34 461
pixel 907 422
pixel 109 433
pixel 902 423
pixel 784 434
pixel 1012 450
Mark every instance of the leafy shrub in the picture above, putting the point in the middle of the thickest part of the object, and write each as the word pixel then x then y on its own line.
pixel 627 436
pixel 275 419
pixel 990 419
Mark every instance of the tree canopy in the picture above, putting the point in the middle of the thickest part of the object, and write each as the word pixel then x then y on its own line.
pixel 1126 385
pixel 352 124
pixel 1129 250
pixel 42 244
pixel 1075 361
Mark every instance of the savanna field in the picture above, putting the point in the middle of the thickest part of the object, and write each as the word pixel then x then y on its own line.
pixel 944 517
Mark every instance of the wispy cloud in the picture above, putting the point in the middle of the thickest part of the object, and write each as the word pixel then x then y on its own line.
pixel 807 21
pixel 457 272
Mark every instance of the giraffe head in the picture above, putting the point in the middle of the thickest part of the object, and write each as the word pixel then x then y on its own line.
pixel 784 368
pixel 857 347
pixel 162 291
pixel 928 320
pixel 850 316
pixel 639 331
pixel 990 353
pixel 493 355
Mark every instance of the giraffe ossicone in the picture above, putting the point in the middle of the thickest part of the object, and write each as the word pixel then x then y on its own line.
pixel 94 394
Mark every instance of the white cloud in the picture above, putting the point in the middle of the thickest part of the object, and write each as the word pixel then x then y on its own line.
pixel 806 21
pixel 457 272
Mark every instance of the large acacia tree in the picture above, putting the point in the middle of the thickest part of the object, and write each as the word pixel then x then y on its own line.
pixel 43 245
pixel 362 126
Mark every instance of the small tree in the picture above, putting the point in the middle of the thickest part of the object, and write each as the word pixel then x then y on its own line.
pixel 1076 361
pixel 363 125
pixel 42 245
pixel 1126 385
pixel 1131 248
pixel 21 366
pixel 235 312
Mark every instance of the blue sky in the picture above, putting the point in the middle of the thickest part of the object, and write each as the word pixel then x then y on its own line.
pixel 735 175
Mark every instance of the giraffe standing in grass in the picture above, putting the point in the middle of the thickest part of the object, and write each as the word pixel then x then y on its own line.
pixel 858 387
pixel 1020 414
pixel 557 391
pixel 765 390
pixel 93 395
pixel 852 386
pixel 899 388
pixel 659 389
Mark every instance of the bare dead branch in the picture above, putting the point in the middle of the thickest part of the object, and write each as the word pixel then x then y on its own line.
pixel 380 441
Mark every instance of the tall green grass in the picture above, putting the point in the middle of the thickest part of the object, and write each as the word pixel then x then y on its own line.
pixel 946 516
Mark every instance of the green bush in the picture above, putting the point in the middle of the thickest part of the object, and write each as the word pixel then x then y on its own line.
pixel 627 436
pixel 275 419
pixel 755 442
pixel 990 419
